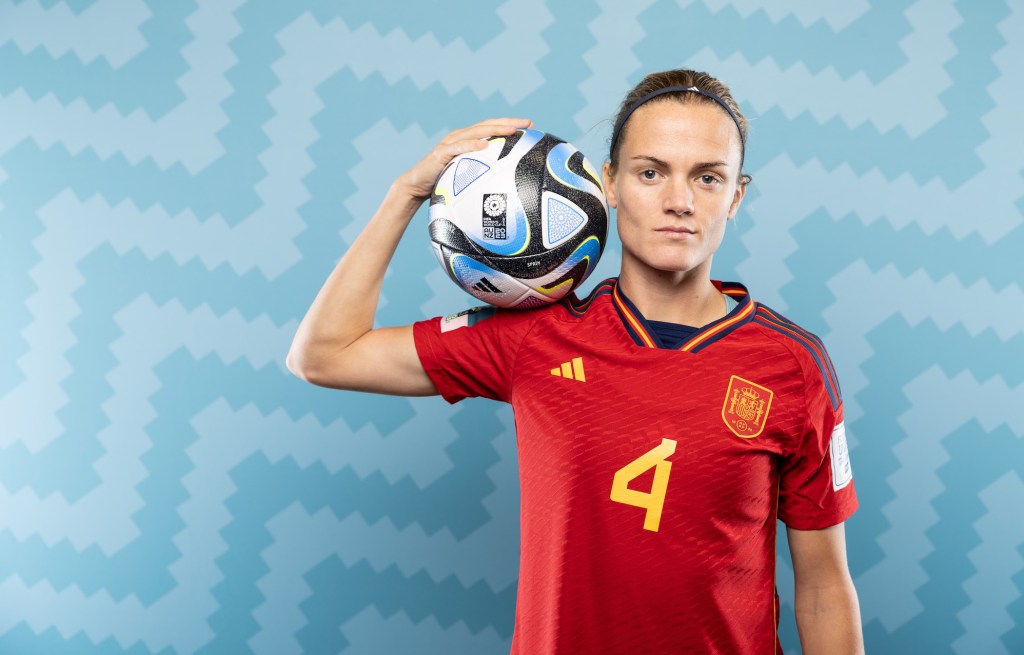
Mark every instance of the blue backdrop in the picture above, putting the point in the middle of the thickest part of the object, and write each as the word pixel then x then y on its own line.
pixel 177 179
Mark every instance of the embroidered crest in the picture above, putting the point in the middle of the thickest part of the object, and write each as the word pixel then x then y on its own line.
pixel 746 407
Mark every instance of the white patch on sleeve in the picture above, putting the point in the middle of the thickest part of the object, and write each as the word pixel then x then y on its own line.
pixel 840 454
pixel 466 318
pixel 455 321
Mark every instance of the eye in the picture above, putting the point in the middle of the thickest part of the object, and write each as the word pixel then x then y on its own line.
pixel 652 176
pixel 708 179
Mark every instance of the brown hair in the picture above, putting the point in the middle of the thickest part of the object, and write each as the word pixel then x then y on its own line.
pixel 685 78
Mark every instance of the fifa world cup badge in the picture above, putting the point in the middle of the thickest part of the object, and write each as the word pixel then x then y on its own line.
pixel 494 216
pixel 746 407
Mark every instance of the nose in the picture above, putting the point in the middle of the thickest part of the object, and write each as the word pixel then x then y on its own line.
pixel 679 197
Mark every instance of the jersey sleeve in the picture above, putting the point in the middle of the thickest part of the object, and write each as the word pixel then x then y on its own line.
pixel 473 353
pixel 816 488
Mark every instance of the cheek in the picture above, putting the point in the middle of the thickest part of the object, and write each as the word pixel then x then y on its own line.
pixel 628 217
pixel 632 202
pixel 719 207
pixel 622 225
pixel 716 233
pixel 623 221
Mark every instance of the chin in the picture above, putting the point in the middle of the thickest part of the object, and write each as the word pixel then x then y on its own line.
pixel 672 262
pixel 666 259
pixel 671 265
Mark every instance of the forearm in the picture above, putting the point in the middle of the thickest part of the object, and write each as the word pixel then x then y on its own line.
pixel 341 316
pixel 828 620
pixel 345 307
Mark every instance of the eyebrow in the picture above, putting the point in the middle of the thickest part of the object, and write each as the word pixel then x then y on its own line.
pixel 665 164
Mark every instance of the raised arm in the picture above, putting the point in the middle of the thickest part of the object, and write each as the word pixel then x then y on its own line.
pixel 335 344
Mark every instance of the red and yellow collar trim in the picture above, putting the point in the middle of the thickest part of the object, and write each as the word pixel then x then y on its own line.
pixel 642 333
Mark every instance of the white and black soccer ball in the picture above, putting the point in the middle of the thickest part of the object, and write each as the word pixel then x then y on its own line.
pixel 520 224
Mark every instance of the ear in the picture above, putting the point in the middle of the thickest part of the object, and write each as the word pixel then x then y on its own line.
pixel 608 180
pixel 741 190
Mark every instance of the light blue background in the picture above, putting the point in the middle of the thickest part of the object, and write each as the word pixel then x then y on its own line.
pixel 178 178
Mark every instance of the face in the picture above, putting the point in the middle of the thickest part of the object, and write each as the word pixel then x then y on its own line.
pixel 676 185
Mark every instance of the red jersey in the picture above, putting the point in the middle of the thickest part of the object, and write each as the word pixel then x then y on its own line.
pixel 651 479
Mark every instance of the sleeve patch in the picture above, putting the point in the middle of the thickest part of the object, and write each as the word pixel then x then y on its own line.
pixel 842 473
pixel 466 318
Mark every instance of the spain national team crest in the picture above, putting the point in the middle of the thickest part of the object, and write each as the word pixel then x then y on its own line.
pixel 746 407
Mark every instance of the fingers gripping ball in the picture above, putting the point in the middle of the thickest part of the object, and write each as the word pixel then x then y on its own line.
pixel 521 223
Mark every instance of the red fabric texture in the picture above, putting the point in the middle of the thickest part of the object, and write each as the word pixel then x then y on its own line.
pixel 593 579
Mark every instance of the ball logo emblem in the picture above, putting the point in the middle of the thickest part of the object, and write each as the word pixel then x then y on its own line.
pixel 494 204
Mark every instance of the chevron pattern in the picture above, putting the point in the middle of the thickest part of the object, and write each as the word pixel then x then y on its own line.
pixel 177 178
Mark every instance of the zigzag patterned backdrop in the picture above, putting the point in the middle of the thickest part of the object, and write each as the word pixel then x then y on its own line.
pixel 178 177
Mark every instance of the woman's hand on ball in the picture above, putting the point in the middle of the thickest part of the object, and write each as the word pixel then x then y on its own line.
pixel 419 180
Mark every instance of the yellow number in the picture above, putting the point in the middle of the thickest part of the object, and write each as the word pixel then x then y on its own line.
pixel 655 500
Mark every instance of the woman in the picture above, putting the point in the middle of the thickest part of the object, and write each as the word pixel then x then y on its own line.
pixel 728 413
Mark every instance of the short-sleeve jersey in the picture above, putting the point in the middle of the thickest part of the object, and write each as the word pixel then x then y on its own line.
pixel 651 478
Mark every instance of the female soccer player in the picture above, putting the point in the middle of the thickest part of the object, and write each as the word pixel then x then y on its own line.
pixel 728 413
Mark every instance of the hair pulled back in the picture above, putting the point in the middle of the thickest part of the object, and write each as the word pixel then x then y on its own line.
pixel 679 77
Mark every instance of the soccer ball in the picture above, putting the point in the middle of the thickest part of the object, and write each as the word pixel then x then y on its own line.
pixel 520 224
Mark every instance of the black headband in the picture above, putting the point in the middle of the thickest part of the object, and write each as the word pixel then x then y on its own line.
pixel 669 89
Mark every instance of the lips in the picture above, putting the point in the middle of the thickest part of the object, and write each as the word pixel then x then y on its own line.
pixel 676 233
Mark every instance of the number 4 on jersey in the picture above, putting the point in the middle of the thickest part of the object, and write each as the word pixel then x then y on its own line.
pixel 654 501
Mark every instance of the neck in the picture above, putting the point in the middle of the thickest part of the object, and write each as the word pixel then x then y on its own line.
pixel 686 297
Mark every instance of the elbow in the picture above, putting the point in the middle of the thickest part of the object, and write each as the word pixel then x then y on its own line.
pixel 293 367
pixel 326 365
pixel 317 368
pixel 298 365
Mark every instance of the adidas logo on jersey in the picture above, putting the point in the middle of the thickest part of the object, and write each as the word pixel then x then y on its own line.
pixel 486 286
pixel 572 370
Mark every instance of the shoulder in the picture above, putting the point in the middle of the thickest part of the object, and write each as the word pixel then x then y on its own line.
pixel 487 318
pixel 523 320
pixel 575 308
pixel 805 346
